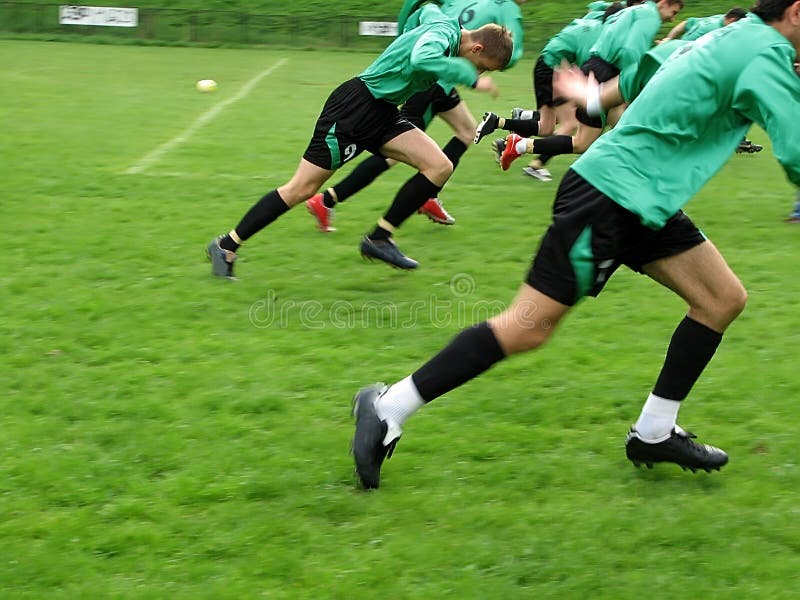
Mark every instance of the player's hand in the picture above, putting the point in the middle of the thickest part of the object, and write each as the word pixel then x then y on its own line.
pixel 487 84
pixel 570 83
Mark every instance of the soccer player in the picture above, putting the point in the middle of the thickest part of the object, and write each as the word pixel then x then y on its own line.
pixel 441 99
pixel 625 37
pixel 620 203
pixel 694 27
pixel 361 114
pixel 573 45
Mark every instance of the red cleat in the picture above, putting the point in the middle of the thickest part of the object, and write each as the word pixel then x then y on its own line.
pixel 321 213
pixel 510 153
pixel 434 210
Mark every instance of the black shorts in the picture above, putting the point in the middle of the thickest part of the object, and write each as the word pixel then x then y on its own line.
pixel 423 106
pixel 603 71
pixel 591 235
pixel 543 84
pixel 352 121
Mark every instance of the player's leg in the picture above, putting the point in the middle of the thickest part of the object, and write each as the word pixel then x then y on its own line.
pixel 715 297
pixel 415 148
pixel 380 412
pixel 561 273
pixel 306 179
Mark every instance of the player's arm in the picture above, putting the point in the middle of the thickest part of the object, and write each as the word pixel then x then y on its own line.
pixel 676 32
pixel 428 55
pixel 768 93
pixel 570 83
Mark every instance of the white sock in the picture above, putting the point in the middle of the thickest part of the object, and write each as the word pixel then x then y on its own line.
pixel 396 404
pixel 522 146
pixel 657 419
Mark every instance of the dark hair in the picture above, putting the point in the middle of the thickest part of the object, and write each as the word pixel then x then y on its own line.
pixel 611 10
pixel 633 2
pixel 771 10
pixel 736 13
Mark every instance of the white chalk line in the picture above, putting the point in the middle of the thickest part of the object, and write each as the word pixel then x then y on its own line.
pixel 153 157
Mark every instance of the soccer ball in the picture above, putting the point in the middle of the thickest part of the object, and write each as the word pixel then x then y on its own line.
pixel 206 85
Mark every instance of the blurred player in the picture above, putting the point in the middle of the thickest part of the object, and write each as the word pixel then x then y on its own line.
pixel 441 99
pixel 620 203
pixel 362 114
pixel 624 39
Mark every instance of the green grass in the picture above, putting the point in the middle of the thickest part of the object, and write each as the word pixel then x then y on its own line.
pixel 162 438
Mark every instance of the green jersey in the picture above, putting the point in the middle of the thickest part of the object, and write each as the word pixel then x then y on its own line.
pixel 697 26
pixel 473 14
pixel 628 34
pixel 691 116
pixel 415 60
pixel 633 79
pixel 572 43
pixel 596 10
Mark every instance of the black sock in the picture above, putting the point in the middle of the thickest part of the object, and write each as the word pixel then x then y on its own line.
pixel 544 159
pixel 454 150
pixel 365 173
pixel 691 347
pixel 327 199
pixel 553 145
pixel 469 354
pixel 379 233
pixel 414 193
pixel 263 212
pixel 524 127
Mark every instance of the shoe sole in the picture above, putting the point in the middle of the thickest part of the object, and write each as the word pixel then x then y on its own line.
pixel 649 465
pixel 439 221
pixel 371 258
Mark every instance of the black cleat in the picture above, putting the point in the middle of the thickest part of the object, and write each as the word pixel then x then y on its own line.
pixel 368 448
pixel 748 147
pixel 678 448
pixel 488 124
pixel 498 147
pixel 388 252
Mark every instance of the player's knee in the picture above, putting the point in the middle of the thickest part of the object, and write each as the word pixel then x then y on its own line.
pixel 439 170
pixel 733 302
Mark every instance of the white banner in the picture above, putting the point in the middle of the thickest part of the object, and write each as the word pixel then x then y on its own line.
pixel 377 28
pixel 98 15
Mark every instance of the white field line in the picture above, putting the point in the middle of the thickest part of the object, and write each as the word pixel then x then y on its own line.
pixel 153 157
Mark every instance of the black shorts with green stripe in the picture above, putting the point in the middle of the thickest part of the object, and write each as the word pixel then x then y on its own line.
pixel 423 106
pixel 591 235
pixel 352 121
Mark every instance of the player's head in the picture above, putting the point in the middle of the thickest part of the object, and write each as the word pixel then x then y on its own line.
pixel 612 10
pixel 734 15
pixel 774 10
pixel 783 15
pixel 668 9
pixel 489 47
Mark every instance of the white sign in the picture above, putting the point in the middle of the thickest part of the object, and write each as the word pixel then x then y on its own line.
pixel 377 28
pixel 98 15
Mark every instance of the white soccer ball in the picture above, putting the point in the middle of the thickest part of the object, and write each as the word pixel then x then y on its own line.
pixel 206 85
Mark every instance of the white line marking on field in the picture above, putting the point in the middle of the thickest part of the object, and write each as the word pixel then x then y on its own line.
pixel 150 159
pixel 199 175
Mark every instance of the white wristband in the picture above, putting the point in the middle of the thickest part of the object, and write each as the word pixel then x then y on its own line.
pixel 593 108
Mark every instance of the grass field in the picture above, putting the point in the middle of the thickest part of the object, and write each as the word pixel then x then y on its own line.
pixel 169 435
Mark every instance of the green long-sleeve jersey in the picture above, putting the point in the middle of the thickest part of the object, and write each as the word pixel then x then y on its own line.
pixel 628 34
pixel 691 116
pixel 415 60
pixel 697 26
pixel 633 79
pixel 573 43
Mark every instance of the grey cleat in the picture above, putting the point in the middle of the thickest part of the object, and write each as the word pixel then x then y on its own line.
pixel 370 447
pixel 221 260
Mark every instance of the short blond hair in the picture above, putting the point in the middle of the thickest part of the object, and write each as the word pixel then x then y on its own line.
pixel 497 41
